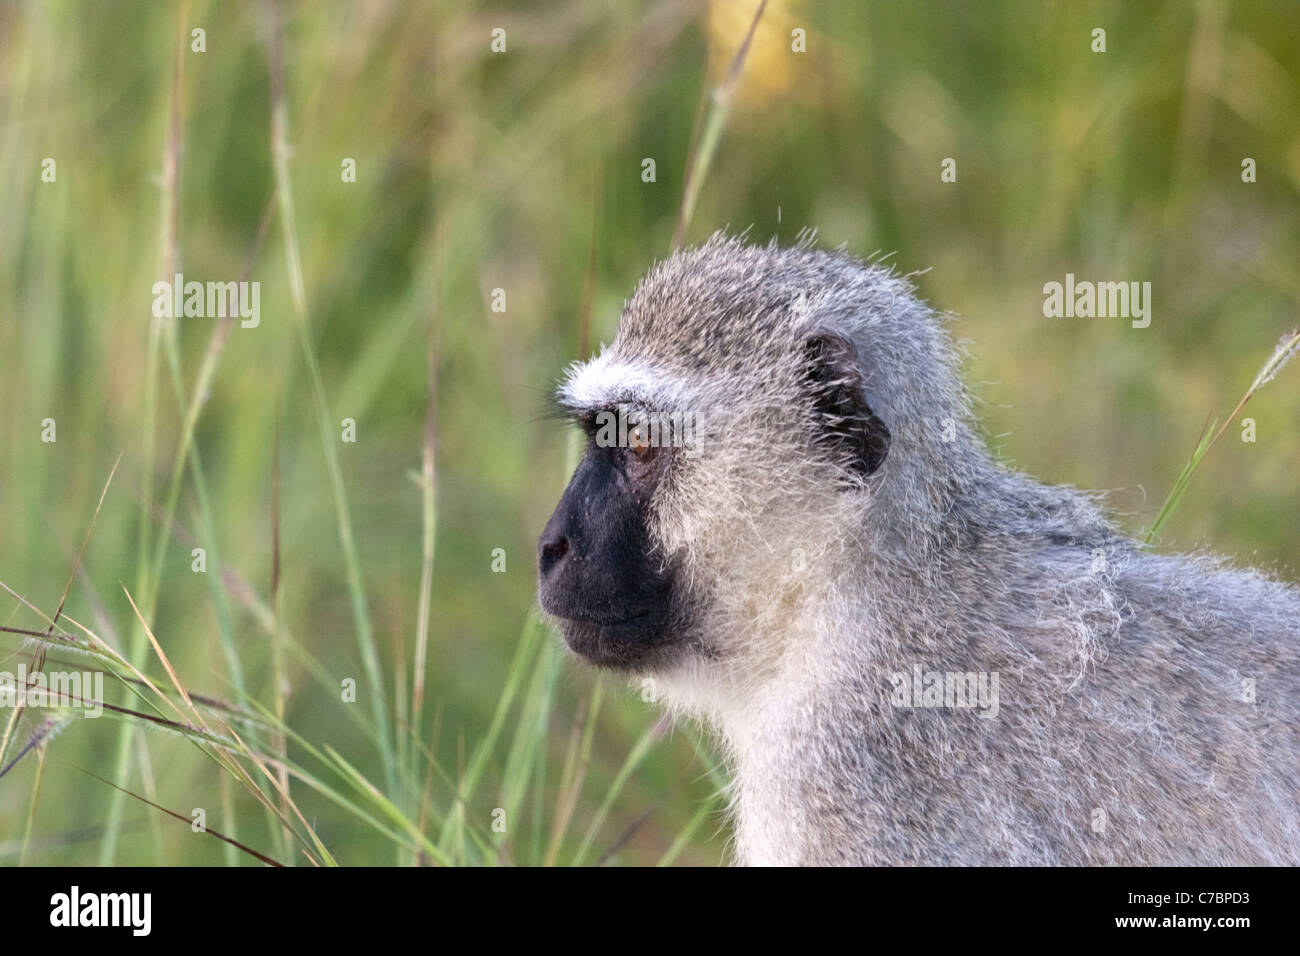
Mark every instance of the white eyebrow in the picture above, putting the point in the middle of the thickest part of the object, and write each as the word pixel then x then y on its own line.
pixel 605 380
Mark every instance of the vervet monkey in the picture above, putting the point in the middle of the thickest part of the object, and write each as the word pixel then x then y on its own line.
pixel 911 653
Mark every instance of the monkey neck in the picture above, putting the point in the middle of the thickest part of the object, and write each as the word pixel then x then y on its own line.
pixel 805 684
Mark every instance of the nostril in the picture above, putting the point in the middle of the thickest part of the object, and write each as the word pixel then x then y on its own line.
pixel 553 552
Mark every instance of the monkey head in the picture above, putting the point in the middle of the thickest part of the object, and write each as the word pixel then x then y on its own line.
pixel 737 430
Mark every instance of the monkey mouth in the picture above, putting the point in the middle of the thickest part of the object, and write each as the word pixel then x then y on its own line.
pixel 629 643
pixel 603 621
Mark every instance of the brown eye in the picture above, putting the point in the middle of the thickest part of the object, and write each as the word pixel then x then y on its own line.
pixel 638 441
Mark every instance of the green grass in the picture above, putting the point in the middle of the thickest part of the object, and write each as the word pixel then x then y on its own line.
pixel 372 561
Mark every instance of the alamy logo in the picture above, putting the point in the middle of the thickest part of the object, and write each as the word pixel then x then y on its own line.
pixel 82 690
pixel 1102 300
pixel 213 300
pixel 133 910
pixel 954 690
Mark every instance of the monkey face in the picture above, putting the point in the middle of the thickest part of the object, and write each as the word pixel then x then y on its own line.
pixel 608 559
pixel 599 572
pixel 658 558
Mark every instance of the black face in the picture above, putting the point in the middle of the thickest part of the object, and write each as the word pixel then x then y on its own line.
pixel 598 570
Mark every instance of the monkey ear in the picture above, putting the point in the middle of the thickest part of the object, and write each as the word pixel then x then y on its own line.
pixel 848 427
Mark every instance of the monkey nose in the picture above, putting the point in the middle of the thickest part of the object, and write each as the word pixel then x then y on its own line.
pixel 550 552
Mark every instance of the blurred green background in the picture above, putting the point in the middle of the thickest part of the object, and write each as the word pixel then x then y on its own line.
pixel 479 171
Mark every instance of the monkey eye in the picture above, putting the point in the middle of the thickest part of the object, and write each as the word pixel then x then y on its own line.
pixel 638 441
pixel 640 453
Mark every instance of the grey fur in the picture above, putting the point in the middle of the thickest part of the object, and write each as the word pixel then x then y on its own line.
pixel 1122 735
